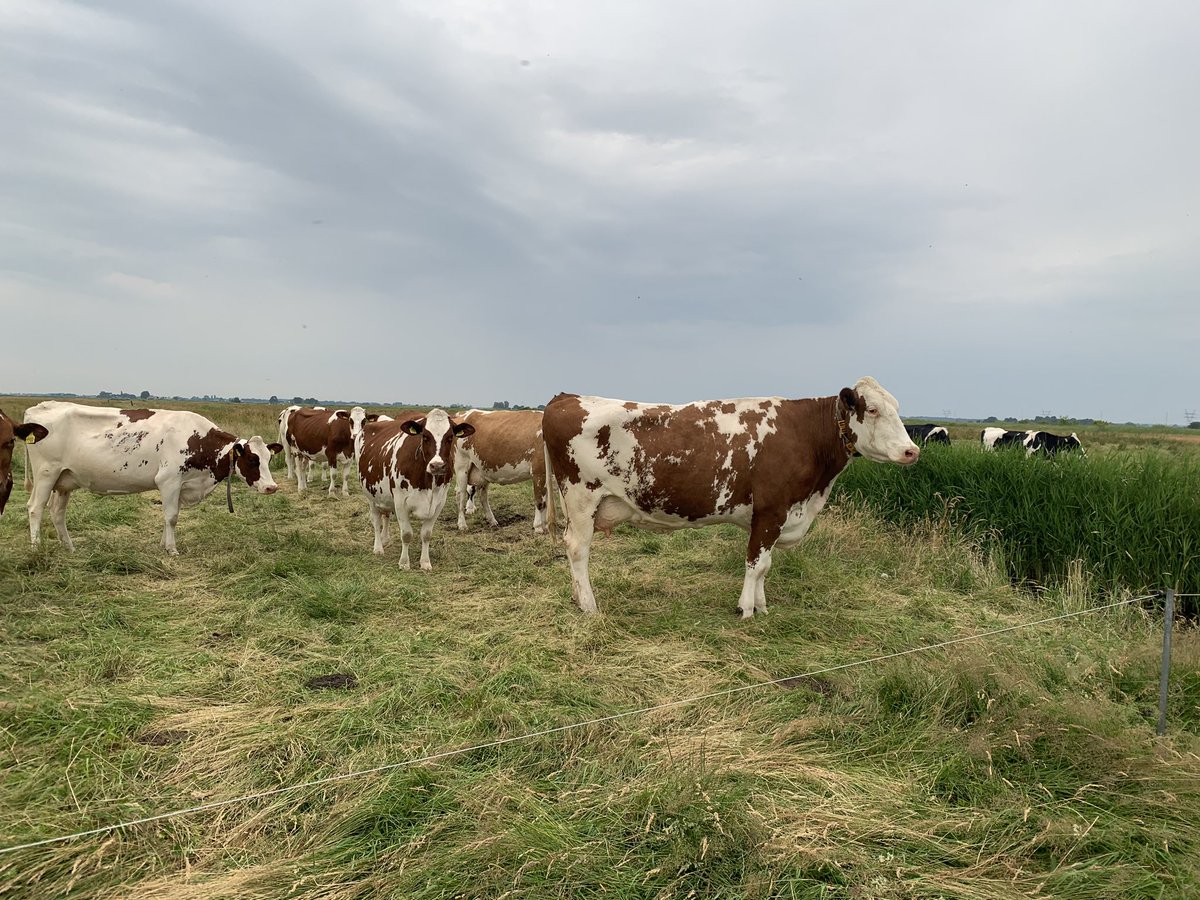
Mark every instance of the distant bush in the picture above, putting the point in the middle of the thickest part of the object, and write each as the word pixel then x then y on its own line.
pixel 1132 519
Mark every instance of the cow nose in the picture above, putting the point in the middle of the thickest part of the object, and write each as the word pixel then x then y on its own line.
pixel 912 454
pixel 436 465
pixel 272 489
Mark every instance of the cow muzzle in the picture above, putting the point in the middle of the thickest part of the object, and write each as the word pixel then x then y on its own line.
pixel 268 489
pixel 436 465
pixel 909 455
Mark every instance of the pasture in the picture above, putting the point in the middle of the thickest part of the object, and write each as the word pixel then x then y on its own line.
pixel 276 649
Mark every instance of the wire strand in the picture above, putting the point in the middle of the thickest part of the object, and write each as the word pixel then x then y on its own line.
pixel 443 754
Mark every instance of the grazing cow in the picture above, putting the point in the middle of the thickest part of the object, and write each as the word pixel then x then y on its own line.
pixel 992 438
pixel 315 433
pixel 928 434
pixel 1051 444
pixel 10 431
pixel 405 468
pixel 506 448
pixel 765 464
pixel 127 451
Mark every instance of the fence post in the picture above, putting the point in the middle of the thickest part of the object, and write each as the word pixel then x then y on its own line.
pixel 1168 620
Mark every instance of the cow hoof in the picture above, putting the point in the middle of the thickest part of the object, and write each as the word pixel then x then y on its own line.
pixel 463 528
pixel 426 567
pixel 743 614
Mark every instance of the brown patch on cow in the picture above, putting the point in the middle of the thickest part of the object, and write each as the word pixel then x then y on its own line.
pixel 137 415
pixel 563 420
pixel 629 405
pixel 162 738
pixel 338 681
pixel 854 403
pixel 506 438
pixel 207 453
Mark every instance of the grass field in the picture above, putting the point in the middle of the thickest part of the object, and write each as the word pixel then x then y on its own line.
pixel 132 683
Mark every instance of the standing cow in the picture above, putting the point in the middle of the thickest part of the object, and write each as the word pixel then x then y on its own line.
pixel 180 454
pixel 315 433
pixel 928 434
pixel 766 464
pixel 10 433
pixel 991 438
pixel 506 448
pixel 405 468
pixel 1051 444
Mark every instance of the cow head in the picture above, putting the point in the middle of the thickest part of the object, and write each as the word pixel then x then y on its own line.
pixel 437 433
pixel 252 459
pixel 358 417
pixel 10 433
pixel 873 418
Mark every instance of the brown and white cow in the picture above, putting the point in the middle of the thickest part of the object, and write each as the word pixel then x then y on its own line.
pixel 766 464
pixel 10 433
pixel 405 467
pixel 506 448
pixel 104 450
pixel 314 433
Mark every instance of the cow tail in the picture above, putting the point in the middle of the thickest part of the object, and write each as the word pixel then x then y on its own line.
pixel 551 491
pixel 28 473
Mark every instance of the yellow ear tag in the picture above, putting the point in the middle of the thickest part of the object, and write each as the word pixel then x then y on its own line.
pixel 31 438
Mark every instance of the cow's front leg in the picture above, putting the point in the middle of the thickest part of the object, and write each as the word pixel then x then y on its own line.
pixel 333 480
pixel 426 534
pixel 486 505
pixel 406 532
pixel 58 515
pixel 763 534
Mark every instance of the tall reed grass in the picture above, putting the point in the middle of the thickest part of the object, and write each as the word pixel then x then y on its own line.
pixel 1128 521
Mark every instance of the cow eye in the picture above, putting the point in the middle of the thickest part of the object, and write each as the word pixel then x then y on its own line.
pixel 873 411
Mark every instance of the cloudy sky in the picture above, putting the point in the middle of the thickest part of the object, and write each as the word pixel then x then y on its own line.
pixel 992 208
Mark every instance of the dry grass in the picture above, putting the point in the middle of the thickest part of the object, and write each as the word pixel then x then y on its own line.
pixel 132 683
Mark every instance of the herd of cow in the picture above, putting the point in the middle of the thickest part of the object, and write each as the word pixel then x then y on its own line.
pixel 766 465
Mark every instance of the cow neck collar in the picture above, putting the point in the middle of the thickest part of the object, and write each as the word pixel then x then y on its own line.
pixel 843 426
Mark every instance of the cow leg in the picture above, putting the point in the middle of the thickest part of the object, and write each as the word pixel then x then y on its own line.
pixel 470 499
pixel 482 493
pixel 406 532
pixel 38 498
pixel 58 515
pixel 302 464
pixel 539 503
pixel 289 458
pixel 332 478
pixel 169 489
pixel 460 497
pixel 379 523
pixel 581 525
pixel 346 477
pixel 426 534
pixel 763 535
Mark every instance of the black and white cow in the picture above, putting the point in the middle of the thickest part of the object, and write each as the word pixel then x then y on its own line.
pixel 991 438
pixel 928 434
pixel 1051 444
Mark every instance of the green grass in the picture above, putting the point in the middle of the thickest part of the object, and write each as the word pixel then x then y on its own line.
pixel 1131 519
pixel 133 683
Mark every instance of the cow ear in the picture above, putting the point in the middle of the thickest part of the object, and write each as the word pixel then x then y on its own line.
pixel 851 400
pixel 371 417
pixel 412 426
pixel 31 432
pixel 464 429
pixel 239 447
pixel 275 447
pixel 342 414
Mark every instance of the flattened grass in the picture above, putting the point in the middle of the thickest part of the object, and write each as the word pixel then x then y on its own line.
pixel 132 683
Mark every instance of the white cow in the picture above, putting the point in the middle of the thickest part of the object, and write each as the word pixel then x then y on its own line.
pixel 104 450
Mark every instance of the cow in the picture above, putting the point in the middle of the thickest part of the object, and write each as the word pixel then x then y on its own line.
pixel 991 438
pixel 765 464
pixel 405 468
pixel 288 458
pixel 105 450
pixel 1051 444
pixel 506 448
pixel 314 433
pixel 10 433
pixel 928 434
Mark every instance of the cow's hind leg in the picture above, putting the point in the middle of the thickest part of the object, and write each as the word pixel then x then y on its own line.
pixel 379 523
pixel 539 502
pixel 581 526
pixel 169 489
pixel 58 515
pixel 486 505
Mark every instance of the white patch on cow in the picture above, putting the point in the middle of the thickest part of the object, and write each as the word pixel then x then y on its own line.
pixel 989 437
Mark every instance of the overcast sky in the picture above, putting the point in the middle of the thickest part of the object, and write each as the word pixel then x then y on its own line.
pixel 993 208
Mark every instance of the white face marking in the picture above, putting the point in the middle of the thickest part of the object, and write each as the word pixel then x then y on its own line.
pixel 881 435
pixel 437 423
